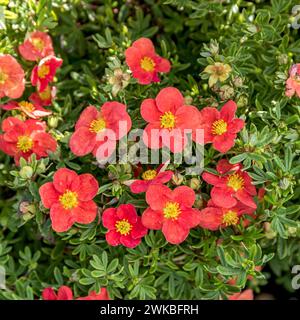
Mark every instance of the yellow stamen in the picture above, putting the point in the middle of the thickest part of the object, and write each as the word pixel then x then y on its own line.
pixel 219 127
pixel 69 200
pixel 123 227
pixel 46 94
pixel 25 143
pixel 167 120
pixel 26 106
pixel 149 174
pixel 3 77
pixel 171 210
pixel 235 181
pixel 147 64
pixel 230 218
pixel 97 125
pixel 43 71
pixel 38 43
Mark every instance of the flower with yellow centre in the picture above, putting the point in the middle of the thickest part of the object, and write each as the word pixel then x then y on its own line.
pixel 167 120
pixel 26 106
pixel 3 77
pixel 69 200
pixel 38 43
pixel 43 71
pixel 24 143
pixel 235 181
pixel 97 125
pixel 218 72
pixel 149 174
pixel 230 218
pixel 219 127
pixel 123 227
pixel 171 210
pixel 147 64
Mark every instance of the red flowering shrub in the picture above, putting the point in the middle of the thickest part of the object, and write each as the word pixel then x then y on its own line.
pixel 140 158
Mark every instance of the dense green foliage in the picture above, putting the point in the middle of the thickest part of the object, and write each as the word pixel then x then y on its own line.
pixel 256 39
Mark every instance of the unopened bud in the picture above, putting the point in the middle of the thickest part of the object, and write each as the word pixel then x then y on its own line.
pixel 177 179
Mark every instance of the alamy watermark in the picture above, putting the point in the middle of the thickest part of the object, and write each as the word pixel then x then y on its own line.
pixel 296 17
pixel 296 279
pixel 2 278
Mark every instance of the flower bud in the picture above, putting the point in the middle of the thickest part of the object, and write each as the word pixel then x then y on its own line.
pixel 26 172
pixel 194 183
pixel 177 179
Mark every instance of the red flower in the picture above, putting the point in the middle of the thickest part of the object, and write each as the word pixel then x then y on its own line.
pixel 124 226
pixel 213 217
pixel 144 62
pixel 93 125
pixel 292 83
pixel 44 72
pixel 63 293
pixel 12 82
pixel 43 98
pixel 168 116
pixel 221 127
pixel 232 185
pixel 23 138
pixel 244 295
pixel 36 46
pixel 150 177
pixel 69 198
pixel 29 109
pixel 103 295
pixel 171 211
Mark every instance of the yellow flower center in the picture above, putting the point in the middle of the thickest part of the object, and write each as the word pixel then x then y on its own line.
pixel 219 127
pixel 26 106
pixel 46 94
pixel 147 64
pixel 97 125
pixel 149 174
pixel 25 143
pixel 3 77
pixel 230 218
pixel 69 200
pixel 235 181
pixel 167 120
pixel 123 227
pixel 171 210
pixel 43 71
pixel 38 43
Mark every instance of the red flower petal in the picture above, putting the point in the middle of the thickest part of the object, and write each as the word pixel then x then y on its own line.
pixel 209 115
pixel 88 187
pixel 152 136
pixel 145 46
pixel 225 166
pixel 236 125
pixel 174 232
pixel 49 294
pixel 185 196
pixel 138 230
pixel 129 242
pixel 169 99
pixel 113 238
pixel 187 117
pixel 163 65
pixel 152 219
pixel 223 197
pixel 163 177
pixel 62 220
pixel 157 196
pixel 211 178
pixel 149 111
pixel 224 142
pixel 109 218
pixel 85 212
pixel 66 179
pixel 89 114
pixel 82 142
pixel 211 218
pixel 139 186
pixel 228 111
pixel 48 194
pixel 245 198
pixel 64 293
pixel 189 218
pixel 128 212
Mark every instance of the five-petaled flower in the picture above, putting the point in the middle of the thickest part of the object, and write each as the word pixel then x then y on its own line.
pixel 94 128
pixel 150 177
pixel 43 98
pixel 293 82
pixel 70 199
pixel 27 108
pixel 171 211
pixel 37 45
pixel 23 138
pixel 44 72
pixel 221 127
pixel 144 63
pixel 214 217
pixel 12 81
pixel 169 120
pixel 124 226
pixel 218 72
pixel 231 186
pixel 63 293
